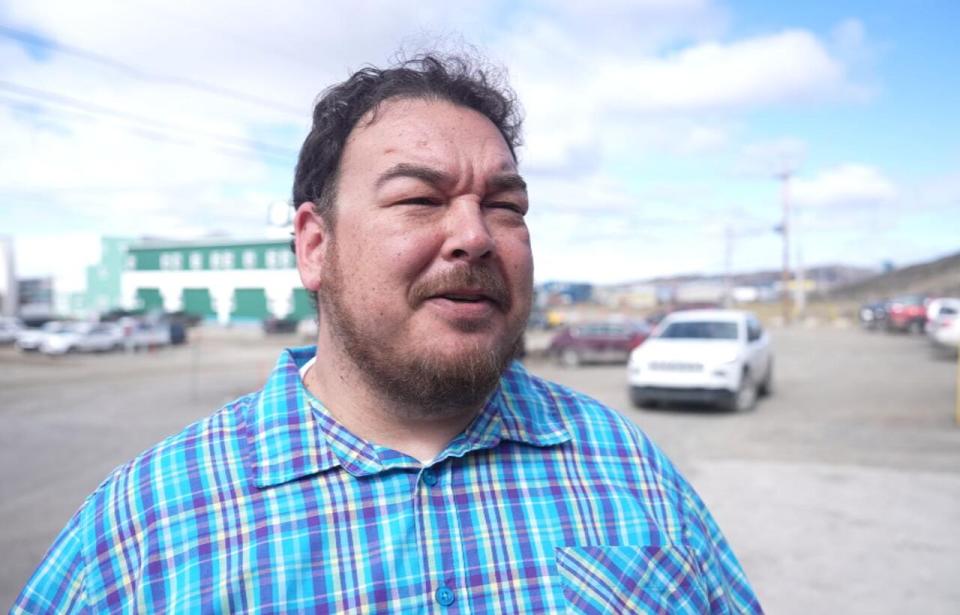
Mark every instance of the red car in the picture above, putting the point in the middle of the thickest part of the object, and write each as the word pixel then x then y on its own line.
pixel 598 342
pixel 907 313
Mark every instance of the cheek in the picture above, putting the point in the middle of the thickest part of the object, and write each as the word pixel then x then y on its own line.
pixel 518 258
pixel 391 261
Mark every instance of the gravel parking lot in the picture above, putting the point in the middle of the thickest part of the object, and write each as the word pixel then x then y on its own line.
pixel 840 493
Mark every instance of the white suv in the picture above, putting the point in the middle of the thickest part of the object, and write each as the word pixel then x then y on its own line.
pixel 721 357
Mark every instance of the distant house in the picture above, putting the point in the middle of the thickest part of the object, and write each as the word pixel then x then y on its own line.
pixel 35 298
pixel 627 296
pixel 700 292
pixel 564 293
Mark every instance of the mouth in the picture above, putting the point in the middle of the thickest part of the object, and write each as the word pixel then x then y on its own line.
pixel 472 293
pixel 466 297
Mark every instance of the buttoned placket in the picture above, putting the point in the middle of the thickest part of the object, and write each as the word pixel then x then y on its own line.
pixel 438 534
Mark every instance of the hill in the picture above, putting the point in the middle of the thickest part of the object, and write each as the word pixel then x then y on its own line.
pixel 940 277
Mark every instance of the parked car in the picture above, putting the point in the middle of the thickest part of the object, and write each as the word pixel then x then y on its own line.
pixel 82 337
pixel 280 325
pixel 944 326
pixel 30 339
pixel 597 342
pixel 934 307
pixel 907 313
pixel 145 336
pixel 721 357
pixel 10 328
pixel 873 315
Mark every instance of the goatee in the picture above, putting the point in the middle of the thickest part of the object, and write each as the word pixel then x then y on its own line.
pixel 425 384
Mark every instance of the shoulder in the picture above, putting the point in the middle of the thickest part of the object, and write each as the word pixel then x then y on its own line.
pixel 171 483
pixel 601 433
pixel 190 461
pixel 120 522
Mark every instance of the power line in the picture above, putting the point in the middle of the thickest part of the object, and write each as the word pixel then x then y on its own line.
pixel 35 40
pixel 157 129
pixel 158 137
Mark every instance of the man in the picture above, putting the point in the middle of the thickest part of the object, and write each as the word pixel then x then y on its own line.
pixel 404 464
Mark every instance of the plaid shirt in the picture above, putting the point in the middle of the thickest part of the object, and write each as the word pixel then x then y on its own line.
pixel 547 501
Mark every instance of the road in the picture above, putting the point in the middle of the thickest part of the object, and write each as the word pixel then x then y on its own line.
pixel 840 493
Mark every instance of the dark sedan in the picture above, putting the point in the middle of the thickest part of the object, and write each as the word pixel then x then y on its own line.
pixel 873 315
pixel 597 342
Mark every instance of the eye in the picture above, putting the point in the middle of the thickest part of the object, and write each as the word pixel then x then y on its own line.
pixel 508 206
pixel 420 200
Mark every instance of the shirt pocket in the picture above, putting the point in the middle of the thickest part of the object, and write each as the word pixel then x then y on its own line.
pixel 631 579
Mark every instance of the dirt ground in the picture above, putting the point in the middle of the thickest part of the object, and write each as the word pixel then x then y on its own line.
pixel 840 493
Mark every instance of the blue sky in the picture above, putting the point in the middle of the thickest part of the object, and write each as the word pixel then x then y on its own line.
pixel 653 126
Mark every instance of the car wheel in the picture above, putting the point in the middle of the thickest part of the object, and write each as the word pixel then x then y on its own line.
pixel 745 398
pixel 569 357
pixel 766 387
pixel 916 327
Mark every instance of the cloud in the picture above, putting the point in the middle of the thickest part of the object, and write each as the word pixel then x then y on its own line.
pixel 787 68
pixel 845 186
pixel 687 101
pixel 630 26
pixel 608 89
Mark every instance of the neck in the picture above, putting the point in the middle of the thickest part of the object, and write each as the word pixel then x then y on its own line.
pixel 368 413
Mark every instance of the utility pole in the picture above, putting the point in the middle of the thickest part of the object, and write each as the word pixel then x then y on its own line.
pixel 728 268
pixel 800 297
pixel 784 177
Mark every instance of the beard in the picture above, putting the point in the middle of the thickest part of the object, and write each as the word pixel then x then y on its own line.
pixel 425 384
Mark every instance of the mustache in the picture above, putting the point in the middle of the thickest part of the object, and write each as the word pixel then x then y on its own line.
pixel 485 280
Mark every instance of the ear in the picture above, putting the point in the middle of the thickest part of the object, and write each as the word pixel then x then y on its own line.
pixel 310 237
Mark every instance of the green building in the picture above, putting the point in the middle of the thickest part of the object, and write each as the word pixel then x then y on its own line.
pixel 228 281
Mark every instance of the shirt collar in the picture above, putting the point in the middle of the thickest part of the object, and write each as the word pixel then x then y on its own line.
pixel 292 435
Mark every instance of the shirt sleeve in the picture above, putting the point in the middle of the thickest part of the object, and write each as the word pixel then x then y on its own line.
pixel 727 585
pixel 58 585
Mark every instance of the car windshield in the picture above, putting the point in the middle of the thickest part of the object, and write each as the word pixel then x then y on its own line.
pixel 700 330
pixel 604 330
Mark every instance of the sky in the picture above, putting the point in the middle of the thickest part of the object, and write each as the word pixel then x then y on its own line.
pixel 656 130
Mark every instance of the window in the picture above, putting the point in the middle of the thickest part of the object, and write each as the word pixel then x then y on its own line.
pixel 702 330
pixel 249 259
pixel 171 260
pixel 226 259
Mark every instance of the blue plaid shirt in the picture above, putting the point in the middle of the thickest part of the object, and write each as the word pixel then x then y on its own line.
pixel 547 501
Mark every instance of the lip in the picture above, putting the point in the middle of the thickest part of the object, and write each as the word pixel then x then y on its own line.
pixel 481 308
pixel 474 294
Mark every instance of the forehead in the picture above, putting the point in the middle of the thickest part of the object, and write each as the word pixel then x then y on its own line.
pixel 433 132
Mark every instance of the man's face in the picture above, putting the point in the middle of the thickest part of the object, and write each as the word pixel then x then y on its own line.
pixel 427 276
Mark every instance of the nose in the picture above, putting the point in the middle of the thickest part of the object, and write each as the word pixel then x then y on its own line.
pixel 468 235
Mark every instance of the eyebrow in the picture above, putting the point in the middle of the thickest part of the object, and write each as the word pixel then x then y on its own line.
pixel 507 182
pixel 504 182
pixel 415 171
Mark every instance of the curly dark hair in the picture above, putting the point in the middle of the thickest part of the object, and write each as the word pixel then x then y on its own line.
pixel 460 80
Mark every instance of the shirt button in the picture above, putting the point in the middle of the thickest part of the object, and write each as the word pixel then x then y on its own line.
pixel 444 596
pixel 429 477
